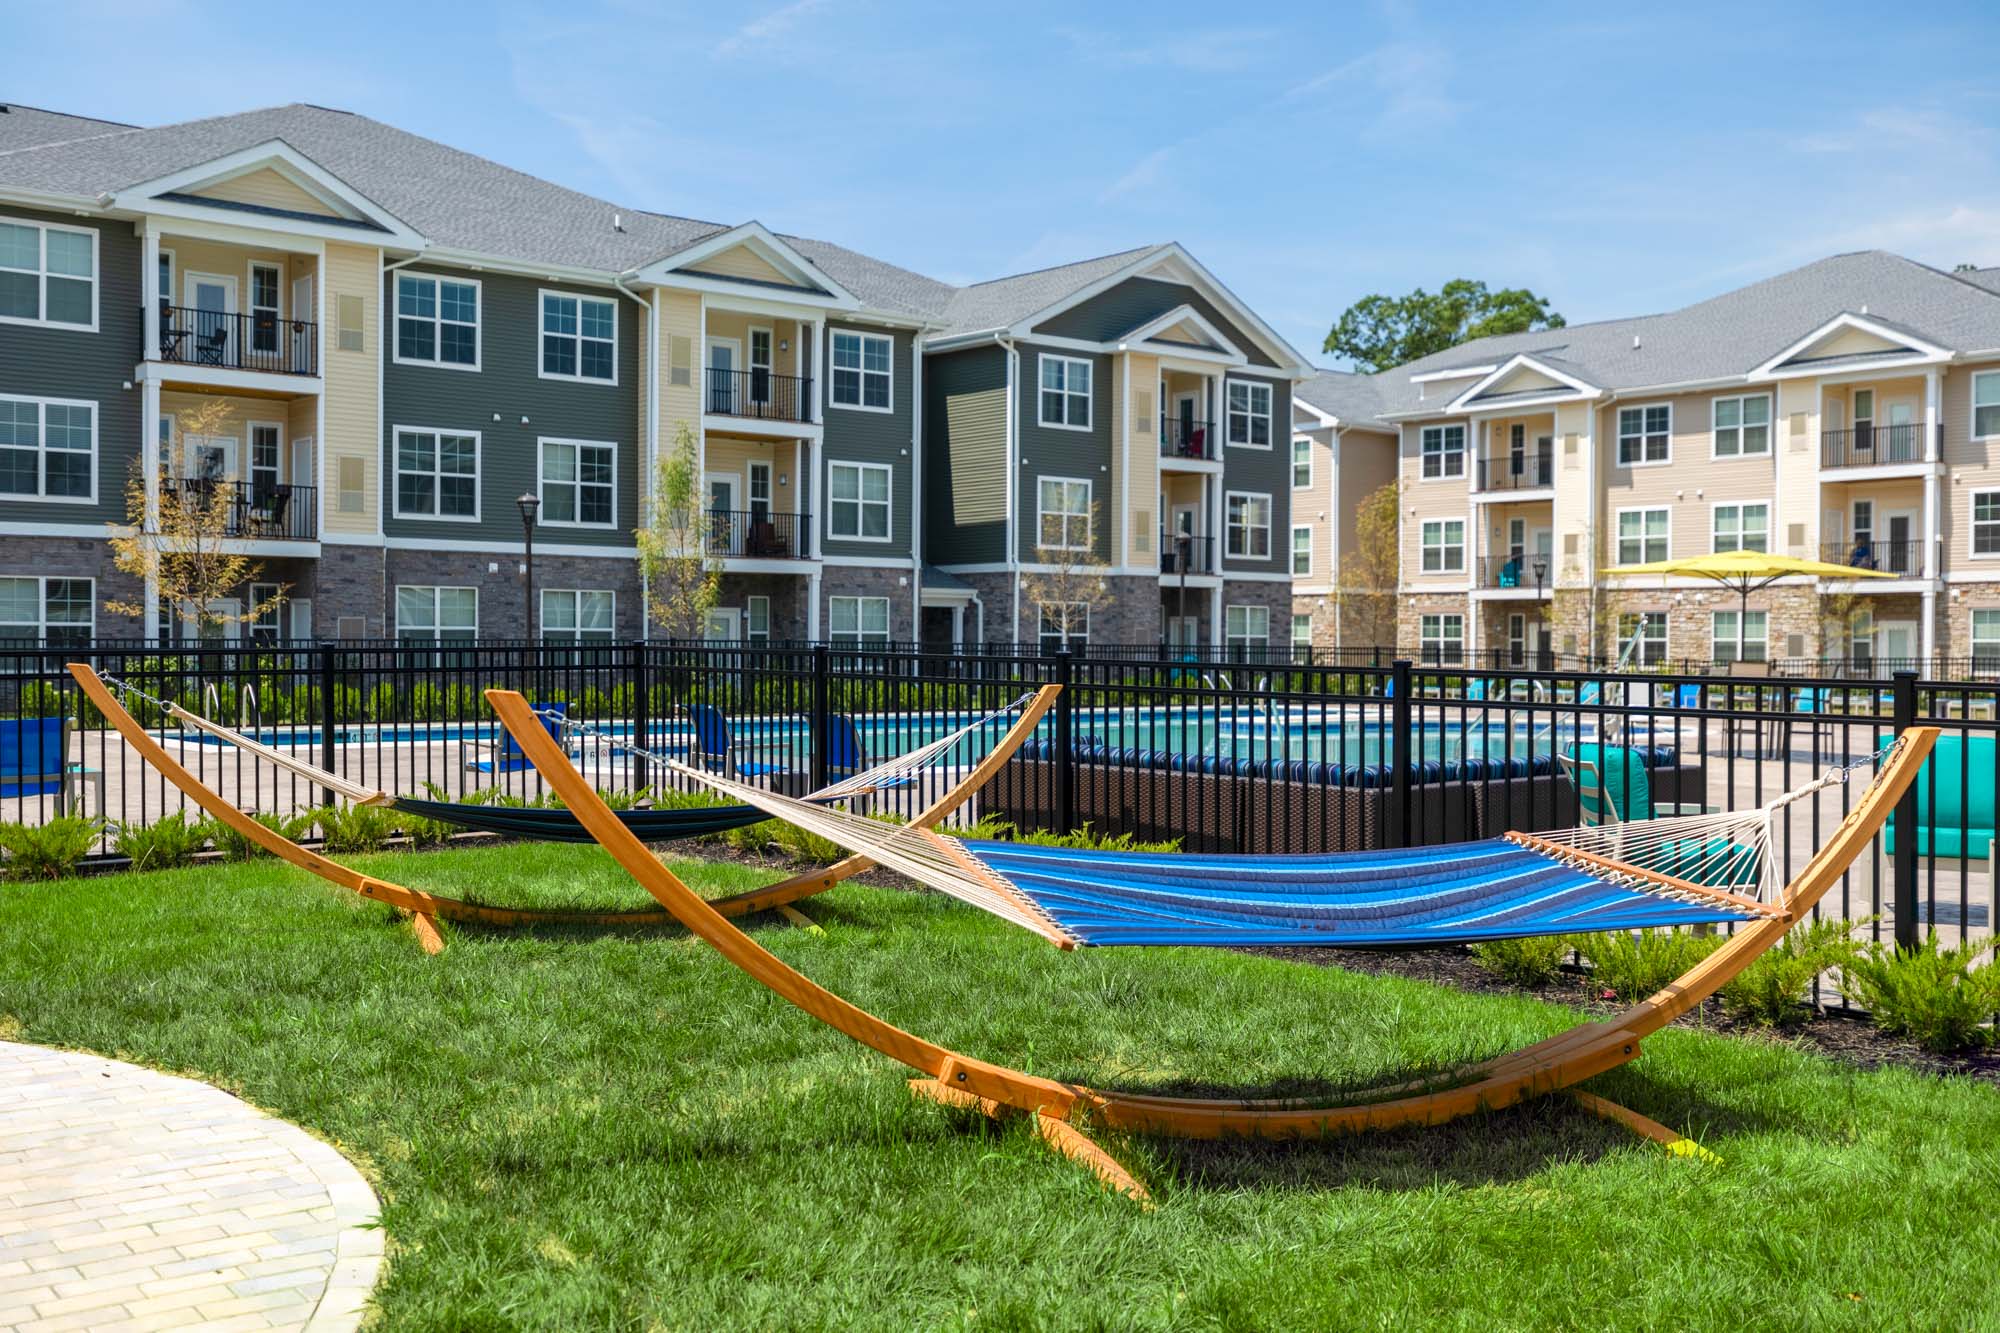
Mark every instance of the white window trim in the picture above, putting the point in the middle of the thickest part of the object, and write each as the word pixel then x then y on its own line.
pixel 1463 451
pixel 1042 515
pixel 1307 441
pixel 478 473
pixel 438 321
pixel 857 406
pixel 1246 638
pixel 1617 435
pixel 1442 638
pixel 1089 396
pixel 860 635
pixel 1464 545
pixel 41 582
pixel 1269 414
pixel 749 603
pixel 1065 637
pixel 1638 622
pixel 1972 526
pixel 434 589
pixel 1620 513
pixel 1741 616
pixel 42 257
pixel 1714 508
pixel 858 466
pixel 173 272
pixel 1270 517
pixel 1293 555
pixel 1972 639
pixel 42 448
pixel 575 594
pixel 250 295
pixel 542 519
pixel 1770 427
pixel 1972 404
pixel 1305 616
pixel 576 339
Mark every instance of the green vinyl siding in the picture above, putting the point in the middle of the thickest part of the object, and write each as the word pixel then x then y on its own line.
pixel 508 386
pixel 1122 308
pixel 965 456
pixel 855 436
pixel 1048 451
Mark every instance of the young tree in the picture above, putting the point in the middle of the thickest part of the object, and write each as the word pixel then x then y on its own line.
pixel 683 580
pixel 1378 332
pixel 1365 585
pixel 179 543
pixel 1072 587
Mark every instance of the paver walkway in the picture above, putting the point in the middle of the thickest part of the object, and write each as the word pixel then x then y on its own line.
pixel 133 1199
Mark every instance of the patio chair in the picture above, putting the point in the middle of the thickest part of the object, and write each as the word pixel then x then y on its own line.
pixel 715 744
pixel 1510 574
pixel 1956 818
pixel 33 763
pixel 1614 787
pixel 506 755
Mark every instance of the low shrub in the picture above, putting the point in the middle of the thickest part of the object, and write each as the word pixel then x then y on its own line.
pixel 1938 998
pixel 1533 962
pixel 423 831
pixel 42 698
pixel 354 828
pixel 1635 964
pixel 238 847
pixel 1771 990
pixel 47 851
pixel 1084 839
pixel 172 840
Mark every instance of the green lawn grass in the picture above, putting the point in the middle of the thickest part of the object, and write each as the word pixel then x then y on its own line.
pixel 615 1129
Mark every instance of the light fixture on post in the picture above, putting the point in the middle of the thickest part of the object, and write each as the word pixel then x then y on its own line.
pixel 530 505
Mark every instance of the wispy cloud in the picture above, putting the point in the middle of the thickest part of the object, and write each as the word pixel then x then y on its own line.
pixel 1203 51
pixel 1404 82
pixel 1147 173
pixel 771 27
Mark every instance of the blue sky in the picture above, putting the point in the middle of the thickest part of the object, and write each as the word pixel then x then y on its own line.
pixel 1618 162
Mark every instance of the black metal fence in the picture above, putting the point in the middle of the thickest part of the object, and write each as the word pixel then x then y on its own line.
pixel 759 393
pixel 234 340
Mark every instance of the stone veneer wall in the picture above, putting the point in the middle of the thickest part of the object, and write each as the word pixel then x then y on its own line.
pixel 80 557
pixel 786 591
pixel 870 581
pixel 1413 606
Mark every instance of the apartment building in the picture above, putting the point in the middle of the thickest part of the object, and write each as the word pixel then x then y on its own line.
pixel 1847 410
pixel 1342 453
pixel 374 346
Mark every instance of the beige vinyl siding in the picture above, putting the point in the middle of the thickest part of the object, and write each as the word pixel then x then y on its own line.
pixel 1970 465
pixel 1428 501
pixel 296 418
pixel 1313 506
pixel 353 388
pixel 265 188
pixel 1795 425
pixel 1367 464
pixel 233 261
pixel 742 262
pixel 1578 516
pixel 1691 483
pixel 1852 342
pixel 1142 503
pixel 680 321
pixel 732 455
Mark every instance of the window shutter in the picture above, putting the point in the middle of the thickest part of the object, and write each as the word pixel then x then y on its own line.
pixel 682 348
pixel 1143 535
pixel 1797 425
pixel 353 486
pixel 1142 410
pixel 1795 534
pixel 353 323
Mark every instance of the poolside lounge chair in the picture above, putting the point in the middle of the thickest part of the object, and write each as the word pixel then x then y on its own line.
pixel 1614 787
pixel 505 756
pixel 32 761
pixel 715 744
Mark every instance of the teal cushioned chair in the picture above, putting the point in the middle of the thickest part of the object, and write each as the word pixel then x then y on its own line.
pixel 1613 787
pixel 1954 812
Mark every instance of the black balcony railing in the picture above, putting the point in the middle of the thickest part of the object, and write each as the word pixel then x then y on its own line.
pixel 1898 557
pixel 1515 571
pixel 1194 555
pixel 1182 438
pixel 759 393
pixel 758 533
pixel 1517 472
pixel 1867 446
pixel 229 340
pixel 259 511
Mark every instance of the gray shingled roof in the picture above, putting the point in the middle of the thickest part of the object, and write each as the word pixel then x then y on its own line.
pixel 1001 302
pixel 28 126
pixel 1351 397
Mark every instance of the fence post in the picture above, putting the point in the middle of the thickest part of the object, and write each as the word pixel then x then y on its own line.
pixel 642 723
pixel 326 717
pixel 1903 693
pixel 1398 832
pixel 1065 793
pixel 818 724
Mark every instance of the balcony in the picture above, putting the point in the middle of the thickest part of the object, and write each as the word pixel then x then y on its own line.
pixel 1200 558
pixel 1181 438
pixel 1514 571
pixel 1874 446
pixel 757 534
pixel 228 340
pixel 1905 559
pixel 1516 472
pixel 759 394
pixel 253 511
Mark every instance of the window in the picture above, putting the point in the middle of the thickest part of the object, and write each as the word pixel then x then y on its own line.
pixel 1743 642
pixel 1743 527
pixel 262 625
pixel 757 619
pixel 437 474
pixel 1646 629
pixel 577 483
pixel 437 615
pixel 437 321
pixel 1441 639
pixel 58 612
pixel 861 374
pixel 1249 532
pixel 1249 414
pixel 859 622
pixel 1302 463
pixel 1444 451
pixel 858 501
pixel 166 277
pixel 267 438
pixel 48 274
pixel 1742 426
pixel 350 324
pixel 1302 549
pixel 1444 546
pixel 1246 629
pixel 48 449
pixel 577 615
pixel 1986 405
pixel 1065 392
pixel 579 338
pixel 1986 638
pixel 1644 434
pixel 1302 629
pixel 1642 535
pixel 1063 625
pixel 1064 514
pixel 1985 517
pixel 263 307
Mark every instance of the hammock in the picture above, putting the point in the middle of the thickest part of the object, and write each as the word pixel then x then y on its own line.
pixel 1665 872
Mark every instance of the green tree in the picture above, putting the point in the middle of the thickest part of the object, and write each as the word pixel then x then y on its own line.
pixel 1365 584
pixel 683 581
pixel 1378 332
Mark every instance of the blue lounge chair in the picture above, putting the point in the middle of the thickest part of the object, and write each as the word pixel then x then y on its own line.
pixel 715 744
pixel 31 756
pixel 507 756
pixel 1613 787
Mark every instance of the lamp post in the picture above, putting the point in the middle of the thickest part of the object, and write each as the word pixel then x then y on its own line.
pixel 529 504
pixel 1183 548
pixel 1541 570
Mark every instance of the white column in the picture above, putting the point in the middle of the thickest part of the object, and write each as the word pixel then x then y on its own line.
pixel 149 454
pixel 149 284
pixel 812 605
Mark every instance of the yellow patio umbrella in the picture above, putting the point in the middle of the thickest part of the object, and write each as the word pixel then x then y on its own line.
pixel 1749 571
